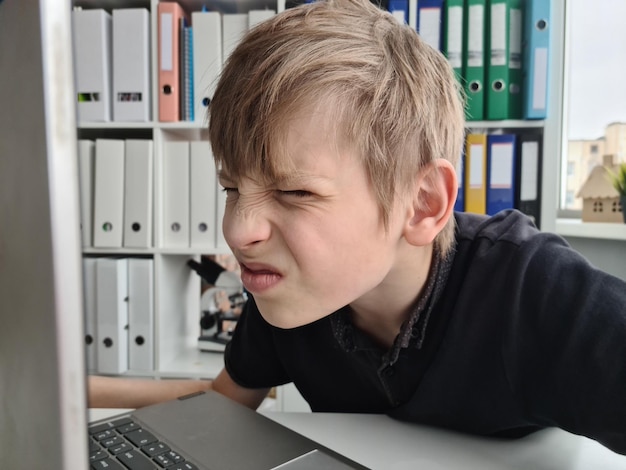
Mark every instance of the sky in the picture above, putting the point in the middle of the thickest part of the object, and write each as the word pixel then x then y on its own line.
pixel 597 73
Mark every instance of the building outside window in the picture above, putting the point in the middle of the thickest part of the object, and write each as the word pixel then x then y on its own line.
pixel 596 98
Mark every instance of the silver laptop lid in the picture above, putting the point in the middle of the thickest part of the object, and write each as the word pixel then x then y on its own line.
pixel 42 381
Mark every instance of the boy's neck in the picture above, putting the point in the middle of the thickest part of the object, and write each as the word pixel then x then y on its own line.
pixel 382 312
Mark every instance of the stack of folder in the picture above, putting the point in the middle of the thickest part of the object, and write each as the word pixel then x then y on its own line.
pixel 425 16
pixel 119 314
pixel 112 60
pixel 190 218
pixel 500 51
pixel 112 64
pixel 192 49
pixel 500 171
pixel 116 191
pixel 117 195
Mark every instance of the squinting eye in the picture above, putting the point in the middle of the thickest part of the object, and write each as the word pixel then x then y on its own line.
pixel 296 193
pixel 231 193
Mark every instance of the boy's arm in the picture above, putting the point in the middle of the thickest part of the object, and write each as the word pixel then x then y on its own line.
pixel 121 392
pixel 250 397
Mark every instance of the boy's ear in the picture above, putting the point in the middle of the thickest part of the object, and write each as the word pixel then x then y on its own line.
pixel 433 201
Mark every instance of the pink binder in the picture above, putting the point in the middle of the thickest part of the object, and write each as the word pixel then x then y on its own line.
pixel 169 19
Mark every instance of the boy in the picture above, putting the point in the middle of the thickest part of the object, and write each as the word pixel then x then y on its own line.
pixel 336 131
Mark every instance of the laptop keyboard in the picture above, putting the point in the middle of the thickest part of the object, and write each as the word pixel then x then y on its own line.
pixel 123 444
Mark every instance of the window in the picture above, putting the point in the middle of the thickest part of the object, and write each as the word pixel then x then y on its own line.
pixel 595 123
pixel 598 206
pixel 616 206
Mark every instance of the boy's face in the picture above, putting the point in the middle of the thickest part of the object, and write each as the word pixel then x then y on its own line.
pixel 314 242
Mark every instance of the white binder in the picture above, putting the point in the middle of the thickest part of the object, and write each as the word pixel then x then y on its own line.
pixel 92 62
pixel 86 155
pixel 203 183
pixel 89 299
pixel 234 27
pixel 112 315
pixel 141 314
pixel 108 194
pixel 207 58
pixel 257 16
pixel 175 220
pixel 138 191
pixel 131 64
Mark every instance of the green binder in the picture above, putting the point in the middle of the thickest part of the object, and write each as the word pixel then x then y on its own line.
pixel 504 63
pixel 453 35
pixel 474 58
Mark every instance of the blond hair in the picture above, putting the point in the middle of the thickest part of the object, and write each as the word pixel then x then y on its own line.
pixel 391 96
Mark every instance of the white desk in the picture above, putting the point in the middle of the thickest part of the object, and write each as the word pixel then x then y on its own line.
pixel 382 443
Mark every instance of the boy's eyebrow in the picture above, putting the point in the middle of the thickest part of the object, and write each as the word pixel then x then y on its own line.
pixel 292 178
pixel 279 179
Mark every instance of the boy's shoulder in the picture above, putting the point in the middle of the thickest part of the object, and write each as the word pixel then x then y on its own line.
pixel 510 226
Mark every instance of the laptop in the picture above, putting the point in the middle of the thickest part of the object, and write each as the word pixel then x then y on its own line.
pixel 210 432
pixel 43 421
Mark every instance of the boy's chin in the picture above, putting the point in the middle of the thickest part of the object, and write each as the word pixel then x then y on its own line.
pixel 287 319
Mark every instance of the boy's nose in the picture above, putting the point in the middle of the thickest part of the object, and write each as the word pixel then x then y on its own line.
pixel 245 225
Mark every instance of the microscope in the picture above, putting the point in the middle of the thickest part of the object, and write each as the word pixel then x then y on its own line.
pixel 220 304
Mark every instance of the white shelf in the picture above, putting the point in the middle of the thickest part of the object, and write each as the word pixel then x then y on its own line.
pixel 144 125
pixel 193 251
pixel 117 125
pixel 508 124
pixel 579 229
pixel 118 251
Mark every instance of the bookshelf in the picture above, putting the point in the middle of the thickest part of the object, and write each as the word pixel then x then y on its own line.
pixel 176 287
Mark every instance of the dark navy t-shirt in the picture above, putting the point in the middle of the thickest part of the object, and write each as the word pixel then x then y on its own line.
pixel 517 332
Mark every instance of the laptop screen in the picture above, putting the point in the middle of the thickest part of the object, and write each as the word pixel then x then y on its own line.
pixel 42 382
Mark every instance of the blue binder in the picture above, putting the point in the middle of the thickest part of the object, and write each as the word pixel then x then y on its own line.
pixel 501 156
pixel 187 56
pixel 536 52
pixel 397 6
pixel 459 205
pixel 430 17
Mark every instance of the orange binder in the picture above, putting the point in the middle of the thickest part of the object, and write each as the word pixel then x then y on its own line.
pixel 169 19
pixel 476 173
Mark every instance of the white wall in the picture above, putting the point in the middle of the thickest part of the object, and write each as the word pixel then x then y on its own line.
pixel 608 255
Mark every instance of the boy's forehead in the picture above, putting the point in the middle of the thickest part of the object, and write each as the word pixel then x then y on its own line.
pixel 288 149
pixel 314 129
